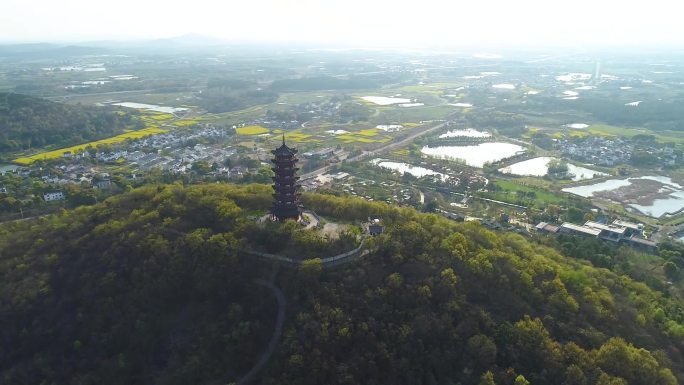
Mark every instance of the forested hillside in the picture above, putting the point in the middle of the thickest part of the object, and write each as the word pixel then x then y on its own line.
pixel 30 122
pixel 318 83
pixel 223 95
pixel 151 287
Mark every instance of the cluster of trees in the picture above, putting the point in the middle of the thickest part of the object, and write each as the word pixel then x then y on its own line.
pixel 29 122
pixel 648 152
pixel 558 168
pixel 339 109
pixel 151 287
pixel 673 254
pixel 657 115
pixel 318 83
pixel 218 99
pixel 353 111
pixel 24 196
pixel 660 115
pixel 228 94
pixel 507 123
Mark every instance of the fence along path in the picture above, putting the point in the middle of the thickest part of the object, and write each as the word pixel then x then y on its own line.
pixel 329 261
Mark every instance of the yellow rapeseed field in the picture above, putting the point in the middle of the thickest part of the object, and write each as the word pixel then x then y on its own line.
pixel 251 130
pixel 55 154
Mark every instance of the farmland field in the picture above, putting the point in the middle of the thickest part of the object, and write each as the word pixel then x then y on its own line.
pixel 606 130
pixel 509 191
pixel 56 154
pixel 251 130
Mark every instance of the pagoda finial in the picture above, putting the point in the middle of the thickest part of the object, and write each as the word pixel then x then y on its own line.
pixel 283 138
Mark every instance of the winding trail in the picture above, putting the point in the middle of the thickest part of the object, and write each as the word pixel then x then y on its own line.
pixel 335 260
pixel 277 331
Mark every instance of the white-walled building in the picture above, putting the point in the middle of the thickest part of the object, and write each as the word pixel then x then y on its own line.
pixel 53 196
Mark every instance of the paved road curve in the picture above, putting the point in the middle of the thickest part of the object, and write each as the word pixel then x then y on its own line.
pixel 277 332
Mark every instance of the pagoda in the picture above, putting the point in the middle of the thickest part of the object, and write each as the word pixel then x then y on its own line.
pixel 286 197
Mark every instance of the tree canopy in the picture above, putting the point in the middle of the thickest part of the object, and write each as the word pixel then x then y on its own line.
pixel 152 287
pixel 27 122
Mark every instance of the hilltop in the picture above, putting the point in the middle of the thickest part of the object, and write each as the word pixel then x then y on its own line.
pixel 28 122
pixel 153 287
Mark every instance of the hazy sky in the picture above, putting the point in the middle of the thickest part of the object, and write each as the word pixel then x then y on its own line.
pixel 361 22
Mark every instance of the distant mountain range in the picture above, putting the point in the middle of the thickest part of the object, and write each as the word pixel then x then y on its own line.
pixel 48 50
pixel 183 43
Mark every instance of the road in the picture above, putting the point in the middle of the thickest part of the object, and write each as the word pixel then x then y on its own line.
pixel 377 151
pixel 277 332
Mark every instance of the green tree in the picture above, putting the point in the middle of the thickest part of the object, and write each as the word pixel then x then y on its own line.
pixel 574 376
pixel 395 280
pixel 671 271
pixel 483 350
pixel 311 269
pixel 201 167
pixel 521 380
pixel 619 358
pixel 557 168
pixel 487 379
pixel 430 207
pixel 605 379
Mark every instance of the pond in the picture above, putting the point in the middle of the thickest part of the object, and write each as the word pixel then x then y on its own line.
pixel 588 191
pixel 416 171
pixel 581 173
pixel 662 198
pixel 384 100
pixel 662 206
pixel 468 132
pixel 123 77
pixel 151 107
pixel 666 180
pixel 539 167
pixel 337 132
pixel 475 155
pixel 96 82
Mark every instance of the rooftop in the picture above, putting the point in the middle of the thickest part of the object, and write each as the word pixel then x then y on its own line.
pixel 601 226
pixel 629 225
pixel 581 229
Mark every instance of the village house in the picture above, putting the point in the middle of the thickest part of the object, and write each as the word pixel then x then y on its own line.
pixel 324 153
pixel 53 196
pixel 375 226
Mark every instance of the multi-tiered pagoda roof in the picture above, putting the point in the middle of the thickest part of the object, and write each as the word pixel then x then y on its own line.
pixel 286 196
